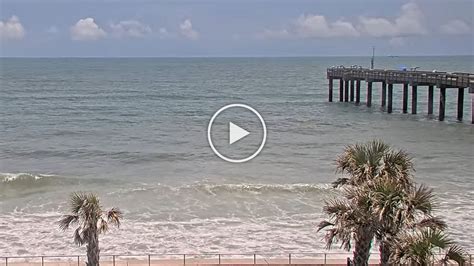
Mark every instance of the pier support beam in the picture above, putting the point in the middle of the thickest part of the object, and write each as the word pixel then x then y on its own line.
pixel 352 90
pixel 384 95
pixel 460 103
pixel 442 103
pixel 341 90
pixel 346 90
pixel 369 94
pixel 390 98
pixel 414 98
pixel 405 98
pixel 330 89
pixel 358 91
pixel 471 91
pixel 430 99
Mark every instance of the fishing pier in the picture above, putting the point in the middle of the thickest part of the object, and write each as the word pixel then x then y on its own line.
pixel 350 80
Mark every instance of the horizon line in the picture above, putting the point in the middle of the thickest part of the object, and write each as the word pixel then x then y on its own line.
pixel 236 56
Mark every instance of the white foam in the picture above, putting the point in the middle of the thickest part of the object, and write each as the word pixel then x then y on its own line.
pixel 11 177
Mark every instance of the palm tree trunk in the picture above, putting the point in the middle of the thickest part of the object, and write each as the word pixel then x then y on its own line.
pixel 363 242
pixel 384 253
pixel 93 250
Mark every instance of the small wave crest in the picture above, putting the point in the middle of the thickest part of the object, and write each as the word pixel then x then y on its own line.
pixel 10 178
pixel 215 189
pixel 261 188
pixel 21 183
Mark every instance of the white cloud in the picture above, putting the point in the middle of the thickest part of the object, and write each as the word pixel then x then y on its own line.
pixel 186 29
pixel 130 28
pixel 316 26
pixel 274 34
pixel 87 30
pixel 11 29
pixel 312 26
pixel 163 33
pixel 408 23
pixel 455 27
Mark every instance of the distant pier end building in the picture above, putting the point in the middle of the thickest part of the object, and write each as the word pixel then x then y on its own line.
pixel 350 85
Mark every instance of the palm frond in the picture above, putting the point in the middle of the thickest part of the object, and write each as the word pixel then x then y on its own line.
pixel 437 238
pixel 102 225
pixel 77 201
pixel 455 253
pixel 422 199
pixel 114 216
pixel 432 222
pixel 323 225
pixel 68 221
pixel 340 182
pixel 79 238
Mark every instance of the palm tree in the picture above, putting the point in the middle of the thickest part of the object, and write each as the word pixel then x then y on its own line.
pixel 364 163
pixel 419 248
pixel 395 210
pixel 369 166
pixel 91 220
pixel 350 221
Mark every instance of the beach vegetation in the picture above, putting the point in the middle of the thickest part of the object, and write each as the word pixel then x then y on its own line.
pixel 90 220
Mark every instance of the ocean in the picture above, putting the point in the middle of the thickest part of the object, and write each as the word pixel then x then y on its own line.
pixel 133 130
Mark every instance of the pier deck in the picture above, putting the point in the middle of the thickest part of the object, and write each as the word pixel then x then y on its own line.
pixel 350 83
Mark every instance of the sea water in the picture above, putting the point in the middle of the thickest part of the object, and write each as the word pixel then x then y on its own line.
pixel 133 130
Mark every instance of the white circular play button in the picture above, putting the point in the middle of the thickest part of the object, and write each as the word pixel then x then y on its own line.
pixel 239 133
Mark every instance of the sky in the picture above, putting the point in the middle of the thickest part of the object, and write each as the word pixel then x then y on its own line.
pixel 182 28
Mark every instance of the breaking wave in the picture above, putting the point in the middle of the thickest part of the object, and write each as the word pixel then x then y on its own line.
pixel 22 177
pixel 17 184
pixel 261 188
pixel 214 189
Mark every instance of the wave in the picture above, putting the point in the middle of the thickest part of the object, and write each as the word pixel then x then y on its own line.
pixel 261 188
pixel 10 178
pixel 215 189
pixel 24 183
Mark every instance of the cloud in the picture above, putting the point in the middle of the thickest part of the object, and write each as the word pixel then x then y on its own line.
pixel 163 33
pixel 11 29
pixel 316 26
pixel 130 28
pixel 313 26
pixel 455 27
pixel 186 29
pixel 86 30
pixel 408 23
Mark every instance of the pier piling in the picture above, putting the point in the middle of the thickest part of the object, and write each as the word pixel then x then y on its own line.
pixel 390 96
pixel 460 103
pixel 369 94
pixel 405 98
pixel 471 91
pixel 330 89
pixel 358 92
pixel 341 90
pixel 442 103
pixel 346 90
pixel 384 95
pixel 352 91
pixel 430 99
pixel 414 98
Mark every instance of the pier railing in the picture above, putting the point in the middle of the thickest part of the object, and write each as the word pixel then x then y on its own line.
pixel 434 78
pixel 350 79
pixel 203 259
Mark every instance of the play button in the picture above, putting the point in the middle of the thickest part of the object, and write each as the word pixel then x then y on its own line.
pixel 236 133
